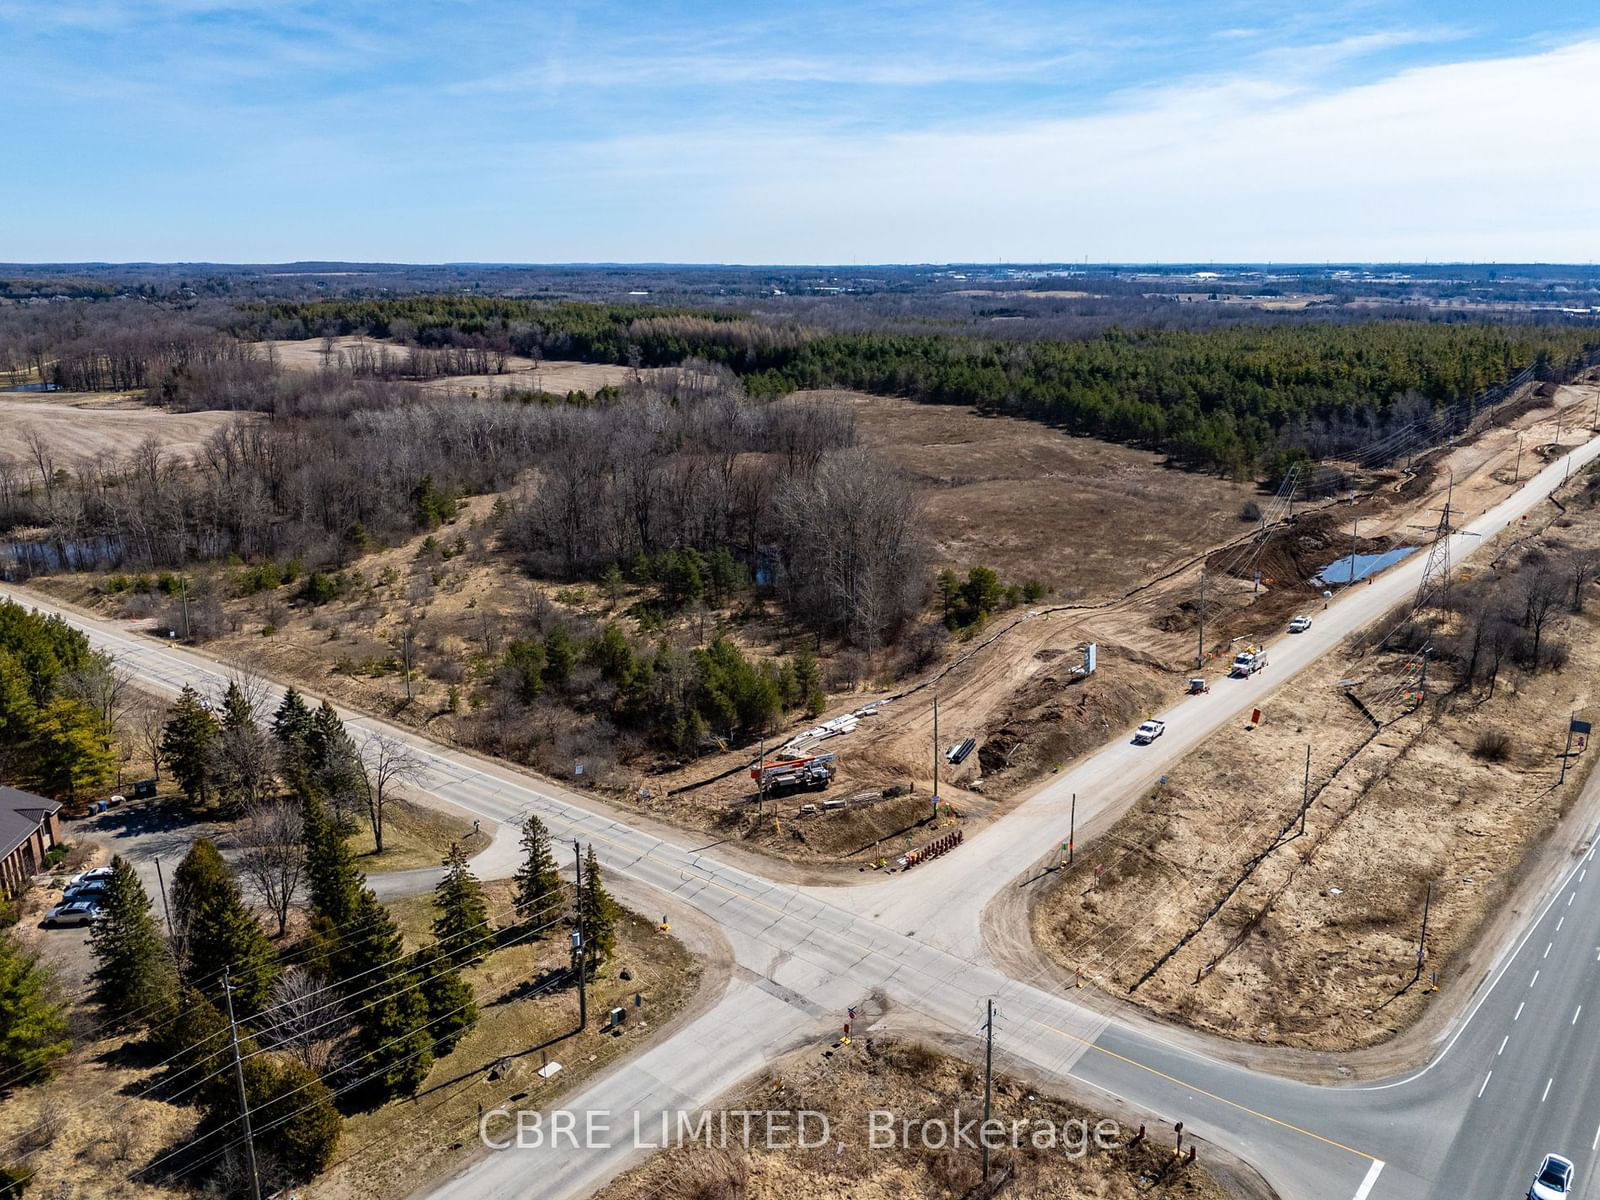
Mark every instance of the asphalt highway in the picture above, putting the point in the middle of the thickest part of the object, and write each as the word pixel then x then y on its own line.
pixel 1515 1078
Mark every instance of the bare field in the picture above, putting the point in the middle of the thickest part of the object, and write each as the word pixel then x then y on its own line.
pixel 918 1083
pixel 1317 946
pixel 77 425
pixel 1087 518
pixel 546 375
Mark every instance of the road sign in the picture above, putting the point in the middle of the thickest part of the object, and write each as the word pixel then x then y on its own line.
pixel 1578 726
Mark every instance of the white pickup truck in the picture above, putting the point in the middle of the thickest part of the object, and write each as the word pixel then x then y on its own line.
pixel 1148 732
pixel 1247 663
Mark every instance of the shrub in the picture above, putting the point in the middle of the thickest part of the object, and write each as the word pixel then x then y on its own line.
pixel 1250 512
pixel 1492 745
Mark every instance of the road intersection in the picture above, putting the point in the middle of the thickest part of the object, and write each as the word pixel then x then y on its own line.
pixel 1516 1074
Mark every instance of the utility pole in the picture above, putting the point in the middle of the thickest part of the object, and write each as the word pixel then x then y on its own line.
pixel 761 775
pixel 238 1075
pixel 1566 754
pixel 1305 792
pixel 1355 524
pixel 1200 653
pixel 580 945
pixel 1072 829
pixel 1516 470
pixel 936 756
pixel 162 883
pixel 183 581
pixel 988 1086
pixel 1422 942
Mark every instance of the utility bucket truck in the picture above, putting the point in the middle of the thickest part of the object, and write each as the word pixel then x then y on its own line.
pixel 1247 662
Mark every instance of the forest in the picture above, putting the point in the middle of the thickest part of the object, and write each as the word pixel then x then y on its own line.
pixel 1220 399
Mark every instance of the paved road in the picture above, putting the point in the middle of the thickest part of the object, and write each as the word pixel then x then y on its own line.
pixel 804 954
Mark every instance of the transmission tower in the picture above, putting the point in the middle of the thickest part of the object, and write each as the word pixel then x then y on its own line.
pixel 1436 572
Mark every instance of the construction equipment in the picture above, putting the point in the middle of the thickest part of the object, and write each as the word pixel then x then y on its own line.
pixel 813 772
pixel 1198 686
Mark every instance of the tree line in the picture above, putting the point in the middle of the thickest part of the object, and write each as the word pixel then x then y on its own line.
pixel 1215 399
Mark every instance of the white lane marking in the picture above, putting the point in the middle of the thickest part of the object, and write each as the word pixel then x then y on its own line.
pixel 1503 1042
pixel 1578 1010
pixel 1519 1011
pixel 1546 953
pixel 1582 873
pixel 1484 1084
pixel 1365 1189
pixel 1596 1142
pixel 1560 923
pixel 1534 980
pixel 1570 897
pixel 1547 1084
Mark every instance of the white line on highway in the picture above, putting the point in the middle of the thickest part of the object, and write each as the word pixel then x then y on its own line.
pixel 1485 1084
pixel 1372 1177
pixel 1582 873
pixel 1575 1013
pixel 1570 897
pixel 1519 1011
pixel 1546 953
pixel 1534 980
pixel 1547 1084
pixel 1503 1042
pixel 1560 923
pixel 1596 1141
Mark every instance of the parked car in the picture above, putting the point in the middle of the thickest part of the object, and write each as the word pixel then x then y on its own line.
pixel 1148 732
pixel 1554 1179
pixel 1299 624
pixel 86 876
pixel 87 890
pixel 73 912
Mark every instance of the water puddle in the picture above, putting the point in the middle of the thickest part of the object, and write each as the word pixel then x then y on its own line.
pixel 1355 567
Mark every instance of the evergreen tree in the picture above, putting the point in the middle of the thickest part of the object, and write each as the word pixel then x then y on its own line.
pixel 188 742
pixel 291 725
pixel 135 978
pixel 461 927
pixel 33 1020
pixel 451 1011
pixel 538 892
pixel 597 912
pixel 294 1110
pixel 18 713
pixel 67 756
pixel 220 932
pixel 333 766
pixel 333 882
pixel 243 759
pixel 389 1011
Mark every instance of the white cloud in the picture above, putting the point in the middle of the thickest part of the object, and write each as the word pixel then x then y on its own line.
pixel 1490 159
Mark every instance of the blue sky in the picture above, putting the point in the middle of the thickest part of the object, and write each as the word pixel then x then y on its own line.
pixel 238 130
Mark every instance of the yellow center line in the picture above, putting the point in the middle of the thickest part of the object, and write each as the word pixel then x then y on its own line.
pixel 1122 1058
pixel 1234 1104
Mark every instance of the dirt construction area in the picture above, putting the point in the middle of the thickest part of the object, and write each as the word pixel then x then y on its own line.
pixel 1433 774
pixel 1078 1153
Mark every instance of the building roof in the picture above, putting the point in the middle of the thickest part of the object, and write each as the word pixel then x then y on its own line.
pixel 20 815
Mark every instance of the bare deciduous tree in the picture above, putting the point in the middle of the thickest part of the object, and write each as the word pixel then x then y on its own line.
pixel 389 761
pixel 306 1019
pixel 272 856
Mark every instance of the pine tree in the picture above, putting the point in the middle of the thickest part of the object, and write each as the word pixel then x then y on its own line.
pixel 135 978
pixel 451 1012
pixel 333 766
pixel 390 1013
pixel 188 742
pixel 18 712
pixel 333 882
pixel 33 1021
pixel 461 927
pixel 67 755
pixel 538 891
pixel 300 1126
pixel 598 913
pixel 291 725
pixel 220 932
